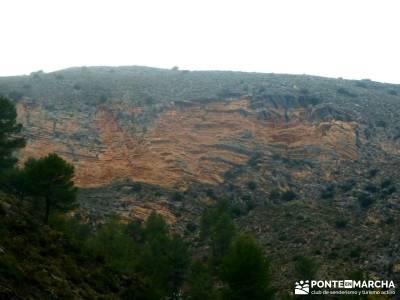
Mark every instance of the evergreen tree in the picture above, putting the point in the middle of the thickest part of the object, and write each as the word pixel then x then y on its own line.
pixel 178 261
pixel 245 271
pixel 210 217
pixel 115 246
pixel 222 234
pixel 153 263
pixel 217 228
pixel 201 283
pixel 50 178
pixel 14 181
pixel 155 226
pixel 164 259
pixel 10 141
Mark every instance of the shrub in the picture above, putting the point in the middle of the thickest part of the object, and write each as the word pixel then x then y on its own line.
pixel 191 227
pixel 250 205
pixel 371 188
pixel 345 92
pixel 246 197
pixel 288 195
pixel 252 185
pixel 137 187
pixel 372 173
pixel 328 192
pixel 305 267
pixel 347 185
pixel 341 223
pixel 388 191
pixel 275 194
pixel 333 255
pixel 355 253
pixel 386 183
pixel 210 193
pixel 365 199
pixel 177 196
pixel 237 210
pixel 389 220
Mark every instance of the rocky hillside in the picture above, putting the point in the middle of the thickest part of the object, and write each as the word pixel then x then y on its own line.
pixel 292 153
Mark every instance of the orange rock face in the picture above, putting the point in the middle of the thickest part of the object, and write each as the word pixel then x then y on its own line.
pixel 184 144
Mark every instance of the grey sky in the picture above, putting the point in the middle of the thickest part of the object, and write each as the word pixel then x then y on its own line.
pixel 352 39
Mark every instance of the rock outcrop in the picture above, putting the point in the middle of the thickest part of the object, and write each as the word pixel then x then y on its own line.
pixel 173 130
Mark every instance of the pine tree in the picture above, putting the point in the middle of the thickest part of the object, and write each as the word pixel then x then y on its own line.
pixel 178 261
pixel 211 216
pixel 222 234
pixel 50 178
pixel 201 283
pixel 164 259
pixel 10 141
pixel 155 226
pixel 13 181
pixel 245 271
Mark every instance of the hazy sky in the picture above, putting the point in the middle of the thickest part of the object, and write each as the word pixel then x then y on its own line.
pixel 349 38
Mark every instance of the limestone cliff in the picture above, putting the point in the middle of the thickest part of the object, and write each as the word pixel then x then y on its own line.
pixel 174 129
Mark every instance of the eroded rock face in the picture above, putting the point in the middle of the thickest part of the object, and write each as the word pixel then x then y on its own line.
pixel 197 143
pixel 184 145
pixel 174 130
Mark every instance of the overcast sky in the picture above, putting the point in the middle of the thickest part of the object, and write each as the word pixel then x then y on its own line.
pixel 350 38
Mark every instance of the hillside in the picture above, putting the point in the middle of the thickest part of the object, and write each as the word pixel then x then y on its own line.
pixel 310 164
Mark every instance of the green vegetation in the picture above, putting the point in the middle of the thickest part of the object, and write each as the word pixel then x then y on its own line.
pixel 201 282
pixel 217 228
pixel 126 261
pixel 346 92
pixel 222 233
pixel 246 271
pixel 287 195
pixel 341 223
pixel 50 178
pixel 9 130
pixel 252 185
pixel 305 268
pixel 328 192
